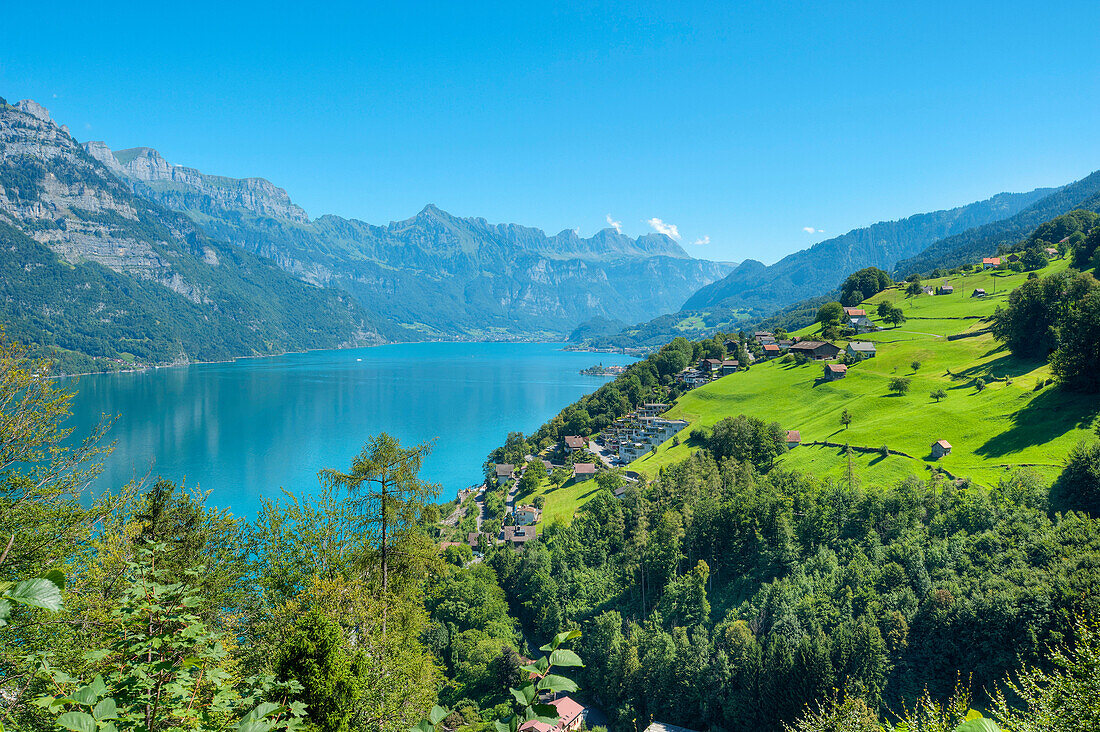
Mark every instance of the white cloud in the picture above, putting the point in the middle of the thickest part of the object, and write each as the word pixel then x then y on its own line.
pixel 812 230
pixel 616 225
pixel 661 227
pixel 702 242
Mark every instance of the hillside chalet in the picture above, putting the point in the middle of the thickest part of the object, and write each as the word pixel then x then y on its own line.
pixel 573 443
pixel 860 350
pixel 584 471
pixel 835 371
pixel 730 367
pixel 816 350
pixel 991 262
pixel 771 350
pixel 941 448
pixel 504 473
pixel 571 716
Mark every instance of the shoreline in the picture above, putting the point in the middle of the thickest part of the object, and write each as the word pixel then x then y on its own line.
pixel 234 359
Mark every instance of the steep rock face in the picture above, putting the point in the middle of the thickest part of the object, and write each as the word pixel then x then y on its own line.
pixel 438 274
pixel 71 215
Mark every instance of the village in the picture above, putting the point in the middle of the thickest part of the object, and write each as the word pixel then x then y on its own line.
pixel 576 459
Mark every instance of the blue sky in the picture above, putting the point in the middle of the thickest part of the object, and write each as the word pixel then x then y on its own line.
pixel 757 129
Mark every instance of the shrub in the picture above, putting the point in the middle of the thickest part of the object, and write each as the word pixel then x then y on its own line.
pixel 979 384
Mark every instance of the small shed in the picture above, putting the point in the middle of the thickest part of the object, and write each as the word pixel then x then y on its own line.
pixel 771 350
pixel 941 448
pixel 947 289
pixel 794 439
pixel 978 292
pixel 834 371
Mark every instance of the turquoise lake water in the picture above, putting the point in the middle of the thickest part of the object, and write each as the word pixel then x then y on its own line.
pixel 246 429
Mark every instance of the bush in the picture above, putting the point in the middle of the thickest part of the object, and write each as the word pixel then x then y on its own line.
pixel 979 384
pixel 915 365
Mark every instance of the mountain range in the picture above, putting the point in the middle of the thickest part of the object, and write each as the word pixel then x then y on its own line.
pixel 434 275
pixel 118 257
pixel 791 289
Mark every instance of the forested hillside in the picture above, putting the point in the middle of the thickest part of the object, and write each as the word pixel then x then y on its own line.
pixel 954 250
pixel 741 583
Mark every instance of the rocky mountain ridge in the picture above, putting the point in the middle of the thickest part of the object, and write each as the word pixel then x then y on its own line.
pixel 90 267
pixel 435 274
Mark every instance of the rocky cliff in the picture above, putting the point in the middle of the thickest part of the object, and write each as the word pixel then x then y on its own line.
pixel 70 220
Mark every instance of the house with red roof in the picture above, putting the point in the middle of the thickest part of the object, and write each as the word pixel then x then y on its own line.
pixel 570 713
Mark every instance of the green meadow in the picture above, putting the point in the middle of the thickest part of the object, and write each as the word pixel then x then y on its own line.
pixel 1012 422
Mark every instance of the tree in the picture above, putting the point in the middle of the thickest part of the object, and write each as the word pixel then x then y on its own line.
pixel 891 314
pixel 938 394
pixel 863 284
pixel 1074 362
pixel 748 439
pixel 845 418
pixel 385 493
pixel 1032 323
pixel 1078 486
pixel 979 384
pixel 900 385
pixel 914 288
pixel 1066 697
pixel 830 313
pixel 166 669
pixel 313 656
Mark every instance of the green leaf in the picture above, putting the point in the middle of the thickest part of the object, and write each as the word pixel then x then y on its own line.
pixel 521 698
pixel 262 711
pixel 545 713
pixel 422 726
pixel 437 715
pixel 57 577
pixel 500 726
pixel 552 682
pixel 978 725
pixel 38 592
pixel 88 695
pixel 77 721
pixel 106 709
pixel 559 639
pixel 565 657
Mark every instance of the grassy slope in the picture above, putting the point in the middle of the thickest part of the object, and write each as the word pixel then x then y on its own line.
pixel 561 501
pixel 1002 427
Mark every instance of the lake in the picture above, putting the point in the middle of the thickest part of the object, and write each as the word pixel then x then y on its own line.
pixel 245 429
